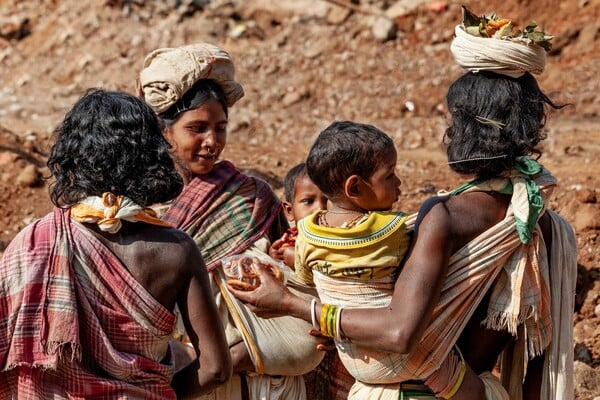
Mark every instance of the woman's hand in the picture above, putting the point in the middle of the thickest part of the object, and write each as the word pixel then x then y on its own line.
pixel 271 298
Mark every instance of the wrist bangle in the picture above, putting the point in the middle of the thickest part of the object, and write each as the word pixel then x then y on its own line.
pixel 313 314
pixel 331 321
pixel 323 318
pixel 338 323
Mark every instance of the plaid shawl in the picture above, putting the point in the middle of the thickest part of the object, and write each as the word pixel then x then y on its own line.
pixel 74 323
pixel 225 212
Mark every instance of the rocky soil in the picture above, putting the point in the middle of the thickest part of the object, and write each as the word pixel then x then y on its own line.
pixel 303 64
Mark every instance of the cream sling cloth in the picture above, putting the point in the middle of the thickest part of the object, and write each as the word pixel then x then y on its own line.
pixel 493 391
pixel 520 296
pixel 557 381
pixel 279 357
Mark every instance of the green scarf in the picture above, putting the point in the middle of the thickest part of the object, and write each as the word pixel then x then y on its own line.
pixel 525 168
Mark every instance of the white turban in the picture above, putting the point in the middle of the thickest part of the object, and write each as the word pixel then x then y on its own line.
pixel 170 72
pixel 502 56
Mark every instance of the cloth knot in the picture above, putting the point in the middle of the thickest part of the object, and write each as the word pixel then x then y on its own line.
pixel 109 210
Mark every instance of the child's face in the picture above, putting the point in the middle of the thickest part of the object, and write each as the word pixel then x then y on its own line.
pixel 307 199
pixel 383 186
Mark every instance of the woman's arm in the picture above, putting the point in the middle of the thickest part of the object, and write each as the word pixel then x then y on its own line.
pixel 398 327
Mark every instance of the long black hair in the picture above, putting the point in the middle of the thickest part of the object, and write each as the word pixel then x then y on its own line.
pixel 495 119
pixel 111 142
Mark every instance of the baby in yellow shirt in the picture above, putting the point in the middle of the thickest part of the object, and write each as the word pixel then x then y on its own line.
pixel 357 238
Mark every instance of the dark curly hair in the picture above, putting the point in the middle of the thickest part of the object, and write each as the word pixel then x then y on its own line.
pixel 111 142
pixel 477 102
pixel 343 149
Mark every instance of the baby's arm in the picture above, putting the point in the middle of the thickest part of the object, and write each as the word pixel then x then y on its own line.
pixel 289 256
pixel 283 249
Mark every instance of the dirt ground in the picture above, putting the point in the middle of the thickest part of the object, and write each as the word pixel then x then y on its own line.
pixel 303 64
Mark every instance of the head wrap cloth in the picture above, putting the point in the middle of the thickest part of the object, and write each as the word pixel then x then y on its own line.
pixel 170 72
pixel 507 57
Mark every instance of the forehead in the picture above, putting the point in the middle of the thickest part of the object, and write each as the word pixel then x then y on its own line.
pixel 211 109
pixel 305 184
pixel 388 157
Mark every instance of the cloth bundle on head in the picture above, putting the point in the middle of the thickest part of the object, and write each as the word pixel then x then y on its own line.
pixel 502 56
pixel 170 72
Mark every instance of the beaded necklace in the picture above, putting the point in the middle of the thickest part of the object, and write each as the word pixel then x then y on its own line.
pixel 322 219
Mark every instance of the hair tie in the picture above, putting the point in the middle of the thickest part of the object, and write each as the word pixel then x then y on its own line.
pixel 478 159
pixel 487 121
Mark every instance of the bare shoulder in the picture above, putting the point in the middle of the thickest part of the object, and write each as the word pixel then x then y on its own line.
pixel 434 211
pixel 173 247
pixel 180 239
pixel 463 217
pixel 146 249
pixel 165 262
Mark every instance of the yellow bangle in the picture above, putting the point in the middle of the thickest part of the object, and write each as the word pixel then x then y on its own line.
pixel 323 318
pixel 461 377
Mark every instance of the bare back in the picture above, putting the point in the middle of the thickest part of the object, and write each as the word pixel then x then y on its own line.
pixel 168 264
pixel 160 259
pixel 469 215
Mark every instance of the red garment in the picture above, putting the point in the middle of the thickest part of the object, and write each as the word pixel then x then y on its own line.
pixel 74 323
pixel 291 235
pixel 333 381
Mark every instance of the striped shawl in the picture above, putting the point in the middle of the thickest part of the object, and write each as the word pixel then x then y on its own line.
pixel 225 212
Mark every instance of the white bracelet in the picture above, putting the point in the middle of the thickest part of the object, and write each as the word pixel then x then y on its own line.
pixel 338 318
pixel 313 314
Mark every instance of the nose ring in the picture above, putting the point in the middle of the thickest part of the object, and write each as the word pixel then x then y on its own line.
pixel 210 151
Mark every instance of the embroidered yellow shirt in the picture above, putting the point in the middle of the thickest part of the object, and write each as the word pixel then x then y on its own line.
pixel 372 249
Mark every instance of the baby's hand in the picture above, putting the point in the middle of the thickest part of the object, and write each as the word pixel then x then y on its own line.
pixel 276 249
pixel 326 343
pixel 283 249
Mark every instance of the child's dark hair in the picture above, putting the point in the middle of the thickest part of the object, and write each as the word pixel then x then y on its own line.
pixel 201 92
pixel 112 142
pixel 495 119
pixel 343 149
pixel 289 182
